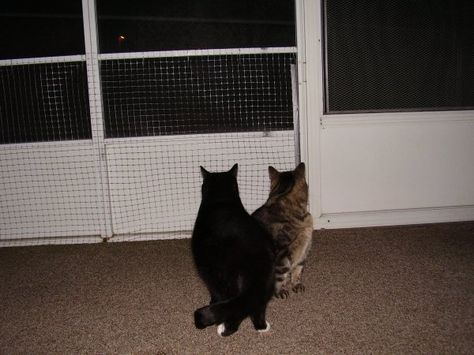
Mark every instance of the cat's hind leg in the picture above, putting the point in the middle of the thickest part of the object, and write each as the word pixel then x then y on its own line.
pixel 229 327
pixel 259 322
pixel 298 252
pixel 282 278
pixel 296 278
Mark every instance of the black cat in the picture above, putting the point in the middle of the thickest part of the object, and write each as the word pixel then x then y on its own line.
pixel 234 257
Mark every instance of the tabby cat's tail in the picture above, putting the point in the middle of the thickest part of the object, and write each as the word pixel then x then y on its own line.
pixel 217 313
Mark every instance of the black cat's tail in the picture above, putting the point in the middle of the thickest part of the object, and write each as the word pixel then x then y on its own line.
pixel 236 308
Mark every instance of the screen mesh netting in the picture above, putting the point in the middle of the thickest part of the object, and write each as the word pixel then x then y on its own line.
pixel 401 55
pixel 44 102
pixel 125 164
pixel 204 94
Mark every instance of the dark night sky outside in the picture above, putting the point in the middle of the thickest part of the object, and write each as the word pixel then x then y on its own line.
pixel 50 28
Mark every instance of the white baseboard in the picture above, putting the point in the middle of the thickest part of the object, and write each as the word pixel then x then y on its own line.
pixel 395 217
pixel 326 221
pixel 140 237
pixel 50 241
pixel 134 237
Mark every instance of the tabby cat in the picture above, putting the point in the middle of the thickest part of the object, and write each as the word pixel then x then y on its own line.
pixel 233 255
pixel 285 216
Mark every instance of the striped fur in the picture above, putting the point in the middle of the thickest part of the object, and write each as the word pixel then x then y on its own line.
pixel 285 216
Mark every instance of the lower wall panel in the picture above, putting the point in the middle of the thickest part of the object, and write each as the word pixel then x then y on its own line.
pixel 373 167
pixel 393 169
pixel 50 193
pixel 48 190
pixel 155 182
pixel 395 217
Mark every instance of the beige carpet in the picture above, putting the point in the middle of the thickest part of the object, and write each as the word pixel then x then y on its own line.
pixel 395 290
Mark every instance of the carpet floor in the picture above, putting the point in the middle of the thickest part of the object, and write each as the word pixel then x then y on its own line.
pixel 392 290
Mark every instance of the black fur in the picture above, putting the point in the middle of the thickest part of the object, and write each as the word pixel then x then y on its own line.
pixel 233 255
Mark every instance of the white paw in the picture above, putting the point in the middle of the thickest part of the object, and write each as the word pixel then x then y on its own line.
pixel 220 329
pixel 264 330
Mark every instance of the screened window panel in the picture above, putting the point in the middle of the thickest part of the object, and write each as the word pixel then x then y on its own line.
pixel 399 55
pixel 190 95
pixel 44 102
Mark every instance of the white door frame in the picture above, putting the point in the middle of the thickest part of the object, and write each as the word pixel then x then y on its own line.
pixel 96 112
pixel 310 90
pixel 317 131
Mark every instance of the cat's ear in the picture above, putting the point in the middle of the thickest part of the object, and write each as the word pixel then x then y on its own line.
pixel 204 172
pixel 234 169
pixel 273 173
pixel 300 169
